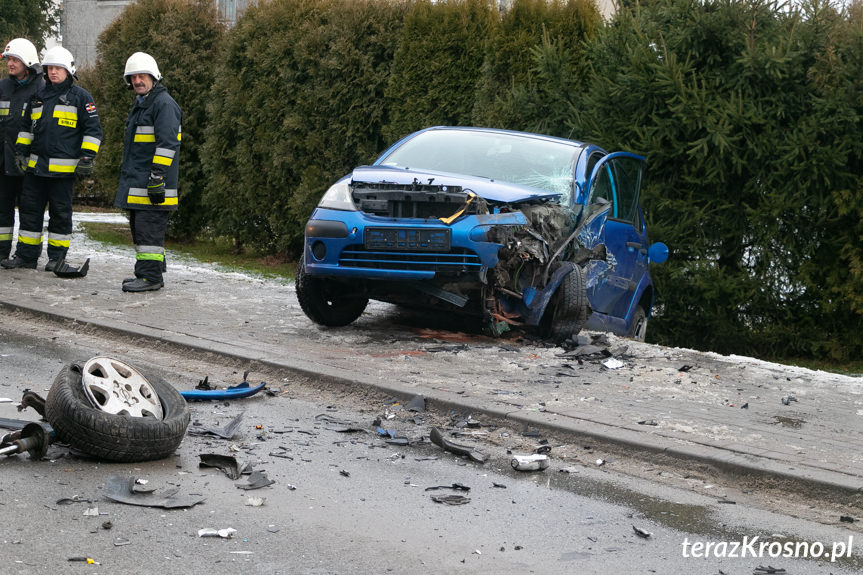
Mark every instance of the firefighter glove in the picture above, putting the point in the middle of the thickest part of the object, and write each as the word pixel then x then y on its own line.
pixel 84 169
pixel 21 161
pixel 156 189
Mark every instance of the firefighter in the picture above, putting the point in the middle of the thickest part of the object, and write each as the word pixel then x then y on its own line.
pixel 25 78
pixel 57 142
pixel 150 170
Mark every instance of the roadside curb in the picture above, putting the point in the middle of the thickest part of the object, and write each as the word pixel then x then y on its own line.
pixel 726 460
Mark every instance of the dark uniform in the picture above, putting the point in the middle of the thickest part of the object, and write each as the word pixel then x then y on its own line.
pixel 64 127
pixel 151 147
pixel 14 96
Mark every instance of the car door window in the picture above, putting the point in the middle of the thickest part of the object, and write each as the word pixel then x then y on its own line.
pixel 627 183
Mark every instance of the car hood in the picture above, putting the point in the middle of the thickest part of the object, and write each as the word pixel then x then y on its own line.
pixel 494 191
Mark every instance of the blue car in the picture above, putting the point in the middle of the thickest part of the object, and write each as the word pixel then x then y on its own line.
pixel 512 228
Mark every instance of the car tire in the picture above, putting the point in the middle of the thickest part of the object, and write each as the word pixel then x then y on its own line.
pixel 569 308
pixel 638 329
pixel 324 307
pixel 109 436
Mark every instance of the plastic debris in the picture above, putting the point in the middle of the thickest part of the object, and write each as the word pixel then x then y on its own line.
pixel 600 462
pixel 255 501
pixel 438 439
pixel 769 570
pixel 534 462
pixel 418 404
pixel 223 533
pixel 788 399
pixel 612 363
pixel 454 486
pixel 122 490
pixel 451 499
pixel 226 463
pixel 256 480
pixel 87 560
pixel 641 532
pixel 91 512
pixel 227 432
pixel 846 519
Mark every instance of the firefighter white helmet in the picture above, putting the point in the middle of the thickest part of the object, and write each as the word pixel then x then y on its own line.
pixel 24 50
pixel 60 56
pixel 141 63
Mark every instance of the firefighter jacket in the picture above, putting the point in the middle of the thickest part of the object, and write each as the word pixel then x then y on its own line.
pixel 151 145
pixel 63 127
pixel 14 98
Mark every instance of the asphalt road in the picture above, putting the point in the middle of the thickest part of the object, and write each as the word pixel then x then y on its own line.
pixel 350 502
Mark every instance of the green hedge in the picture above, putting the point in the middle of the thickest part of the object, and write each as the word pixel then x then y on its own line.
pixel 297 105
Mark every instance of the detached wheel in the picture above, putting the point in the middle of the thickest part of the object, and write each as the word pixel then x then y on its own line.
pixel 569 308
pixel 110 410
pixel 638 330
pixel 327 302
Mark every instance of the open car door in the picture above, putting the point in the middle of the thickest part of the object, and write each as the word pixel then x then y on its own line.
pixel 616 220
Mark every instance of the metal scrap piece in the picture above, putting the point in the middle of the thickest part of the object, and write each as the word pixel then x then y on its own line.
pixel 438 439
pixel 121 490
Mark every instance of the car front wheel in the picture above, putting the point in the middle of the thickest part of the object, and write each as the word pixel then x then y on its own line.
pixel 569 308
pixel 327 302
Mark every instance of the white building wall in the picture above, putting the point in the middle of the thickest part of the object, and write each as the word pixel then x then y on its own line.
pixel 83 21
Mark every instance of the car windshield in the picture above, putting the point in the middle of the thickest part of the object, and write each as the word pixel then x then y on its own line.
pixel 519 159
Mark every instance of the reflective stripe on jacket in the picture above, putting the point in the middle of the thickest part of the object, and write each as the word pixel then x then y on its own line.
pixel 151 144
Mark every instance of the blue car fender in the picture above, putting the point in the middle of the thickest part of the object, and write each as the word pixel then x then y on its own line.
pixel 537 302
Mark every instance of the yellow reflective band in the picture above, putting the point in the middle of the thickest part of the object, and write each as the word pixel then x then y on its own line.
pixel 144 200
pixel 4 111
pixel 145 138
pixel 36 115
pixel 90 146
pixel 5 237
pixel 150 257
pixel 30 241
pixel 24 141
pixel 66 115
pixel 162 160
pixel 58 243
pixel 179 136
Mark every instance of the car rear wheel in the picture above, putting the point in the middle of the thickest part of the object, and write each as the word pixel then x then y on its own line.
pixel 569 308
pixel 326 302
pixel 638 330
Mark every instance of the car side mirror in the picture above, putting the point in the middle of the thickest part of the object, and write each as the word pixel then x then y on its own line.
pixel 657 253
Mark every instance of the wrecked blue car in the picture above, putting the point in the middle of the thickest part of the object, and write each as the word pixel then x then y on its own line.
pixel 512 228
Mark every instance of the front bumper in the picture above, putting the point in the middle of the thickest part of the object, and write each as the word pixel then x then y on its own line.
pixel 335 245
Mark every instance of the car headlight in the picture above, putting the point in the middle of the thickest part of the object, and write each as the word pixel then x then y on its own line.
pixel 338 197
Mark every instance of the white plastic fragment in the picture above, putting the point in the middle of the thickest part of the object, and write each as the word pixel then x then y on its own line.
pixel 255 501
pixel 91 512
pixel 612 363
pixel 533 462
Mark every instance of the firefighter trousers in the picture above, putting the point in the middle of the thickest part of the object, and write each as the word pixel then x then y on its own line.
pixel 36 193
pixel 148 234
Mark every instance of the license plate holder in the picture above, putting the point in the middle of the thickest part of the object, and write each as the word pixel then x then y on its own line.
pixel 407 239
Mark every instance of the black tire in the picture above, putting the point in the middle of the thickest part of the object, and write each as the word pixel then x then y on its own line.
pixel 638 329
pixel 327 302
pixel 114 437
pixel 569 308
